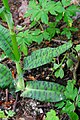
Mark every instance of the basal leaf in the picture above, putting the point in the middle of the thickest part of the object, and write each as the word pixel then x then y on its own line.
pixel 45 55
pixel 5 76
pixel 5 42
pixel 44 91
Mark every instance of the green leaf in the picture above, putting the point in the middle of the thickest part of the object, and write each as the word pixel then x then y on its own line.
pixel 2 114
pixel 59 73
pixel 33 11
pixel 20 83
pixel 68 19
pixel 10 113
pixel 73 116
pixel 37 17
pixel 6 5
pixel 78 102
pixel 44 4
pixel 59 17
pixel 50 7
pixel 46 35
pixel 73 29
pixel 66 32
pixel 44 91
pixel 51 115
pixel 5 77
pixel 24 48
pixel 7 17
pixel 71 10
pixel 5 42
pixel 69 63
pixel 52 11
pixel 57 30
pixel 38 38
pixel 56 66
pixel 32 24
pixel 24 38
pixel 2 56
pixel 1 10
pixel 36 32
pixel 51 31
pixel 45 55
pixel 69 107
pixel 71 92
pixel 66 2
pixel 40 1
pixel 44 18
pixel 77 48
pixel 60 104
pixel 59 7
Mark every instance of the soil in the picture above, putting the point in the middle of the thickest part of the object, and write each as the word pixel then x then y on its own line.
pixel 29 109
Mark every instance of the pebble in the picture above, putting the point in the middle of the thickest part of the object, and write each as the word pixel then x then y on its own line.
pixel 47 78
pixel 40 110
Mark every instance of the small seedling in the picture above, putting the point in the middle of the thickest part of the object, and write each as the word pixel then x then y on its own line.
pixel 51 115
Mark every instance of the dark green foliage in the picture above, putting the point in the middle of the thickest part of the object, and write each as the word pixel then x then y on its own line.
pixel 44 91
pixel 44 56
pixel 5 77
pixel 5 42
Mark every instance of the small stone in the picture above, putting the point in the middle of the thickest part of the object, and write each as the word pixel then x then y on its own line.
pixel 21 119
pixel 33 107
pixel 47 78
pixel 40 110
pixel 34 113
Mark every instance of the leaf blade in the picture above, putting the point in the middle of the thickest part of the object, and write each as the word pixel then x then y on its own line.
pixel 44 56
pixel 5 76
pixel 5 42
pixel 44 91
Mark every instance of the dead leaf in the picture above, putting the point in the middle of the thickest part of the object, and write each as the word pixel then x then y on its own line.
pixel 74 1
pixel 31 77
pixel 22 10
pixel 25 118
